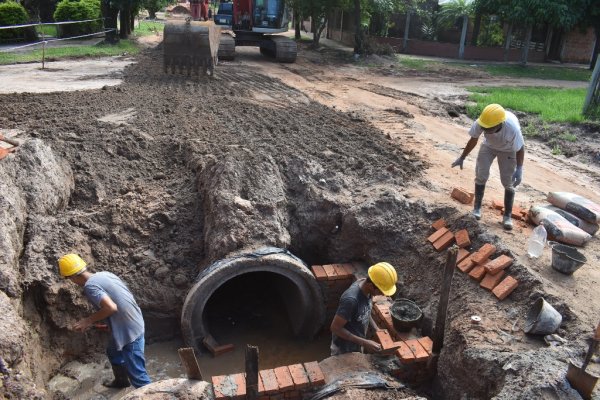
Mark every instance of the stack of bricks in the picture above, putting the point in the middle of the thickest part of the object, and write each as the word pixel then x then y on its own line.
pixel 291 382
pixel 333 279
pixel 442 238
pixel 411 349
pixel 516 213
pixel 488 272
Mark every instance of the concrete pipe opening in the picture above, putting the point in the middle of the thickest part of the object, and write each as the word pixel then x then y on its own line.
pixel 270 276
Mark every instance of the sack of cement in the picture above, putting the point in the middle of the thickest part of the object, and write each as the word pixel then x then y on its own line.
pixel 558 227
pixel 577 205
pixel 589 227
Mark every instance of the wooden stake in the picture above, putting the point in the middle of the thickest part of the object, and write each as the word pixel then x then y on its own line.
pixel 440 321
pixel 188 358
pixel 251 372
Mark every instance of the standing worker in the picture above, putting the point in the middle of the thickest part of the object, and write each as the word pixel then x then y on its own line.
pixel 349 326
pixel 502 139
pixel 113 300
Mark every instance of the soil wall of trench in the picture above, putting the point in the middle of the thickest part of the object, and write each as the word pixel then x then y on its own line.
pixel 194 171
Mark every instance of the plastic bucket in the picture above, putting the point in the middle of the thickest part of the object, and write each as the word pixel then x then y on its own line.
pixel 566 259
pixel 405 315
pixel 542 318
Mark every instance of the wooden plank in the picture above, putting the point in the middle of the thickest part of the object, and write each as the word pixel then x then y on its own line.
pixel 251 372
pixel 190 363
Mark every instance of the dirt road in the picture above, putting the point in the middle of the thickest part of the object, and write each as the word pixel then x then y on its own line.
pixel 141 169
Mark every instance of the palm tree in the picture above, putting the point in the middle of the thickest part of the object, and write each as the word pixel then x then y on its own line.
pixel 453 10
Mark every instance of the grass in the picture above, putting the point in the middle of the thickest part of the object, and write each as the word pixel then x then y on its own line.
pixel 47 30
pixel 147 28
pixel 556 150
pixel 67 52
pixel 551 104
pixel 413 63
pixel 569 137
pixel 557 73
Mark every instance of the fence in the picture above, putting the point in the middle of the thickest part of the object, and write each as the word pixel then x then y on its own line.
pixel 45 41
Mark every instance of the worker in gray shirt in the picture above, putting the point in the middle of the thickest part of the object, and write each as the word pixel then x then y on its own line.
pixel 502 140
pixel 115 303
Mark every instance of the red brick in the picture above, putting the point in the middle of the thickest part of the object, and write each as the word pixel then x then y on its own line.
pixel 269 380
pixel 223 349
pixel 330 271
pixel 444 242
pixel 505 287
pixel 383 337
pixel 427 344
pixel 299 376
pixel 440 223
pixel 462 254
pixel 490 281
pixel 462 238
pixel 467 264
pixel 477 273
pixel 341 271
pixel 217 382
pixel 498 264
pixel 517 213
pixel 350 270
pixel 404 353
pixel 239 382
pixel 498 204
pixel 437 234
pixel 284 378
pixel 315 375
pixel 319 272
pixel 417 349
pixel 484 253
pixel 462 195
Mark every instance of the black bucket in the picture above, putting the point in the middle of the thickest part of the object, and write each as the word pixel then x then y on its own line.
pixel 566 259
pixel 405 315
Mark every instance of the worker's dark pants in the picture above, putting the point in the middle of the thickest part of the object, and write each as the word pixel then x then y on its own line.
pixel 507 163
pixel 132 356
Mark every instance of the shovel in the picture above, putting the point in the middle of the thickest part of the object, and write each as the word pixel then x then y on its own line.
pixel 579 379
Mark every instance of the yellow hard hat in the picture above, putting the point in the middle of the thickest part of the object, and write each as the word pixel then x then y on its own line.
pixel 384 276
pixel 71 264
pixel 492 115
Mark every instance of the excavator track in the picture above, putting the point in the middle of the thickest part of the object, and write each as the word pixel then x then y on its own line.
pixel 226 47
pixel 286 49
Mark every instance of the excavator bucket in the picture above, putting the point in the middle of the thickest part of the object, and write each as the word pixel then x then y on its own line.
pixel 190 45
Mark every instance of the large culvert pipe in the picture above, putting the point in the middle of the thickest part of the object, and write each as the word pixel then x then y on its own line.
pixel 297 286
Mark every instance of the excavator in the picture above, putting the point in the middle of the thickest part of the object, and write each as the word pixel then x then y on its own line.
pixel 189 44
pixel 255 23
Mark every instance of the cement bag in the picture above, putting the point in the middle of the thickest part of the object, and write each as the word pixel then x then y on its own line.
pixel 588 227
pixel 558 227
pixel 577 205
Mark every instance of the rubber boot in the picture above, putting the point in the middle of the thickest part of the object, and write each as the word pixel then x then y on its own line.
pixel 121 378
pixel 479 189
pixel 509 199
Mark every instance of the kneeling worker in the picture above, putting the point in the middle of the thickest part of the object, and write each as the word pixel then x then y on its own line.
pixel 349 326
pixel 110 295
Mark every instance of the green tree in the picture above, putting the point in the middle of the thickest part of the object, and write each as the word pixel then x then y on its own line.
pixel 153 6
pixel 319 11
pixel 454 10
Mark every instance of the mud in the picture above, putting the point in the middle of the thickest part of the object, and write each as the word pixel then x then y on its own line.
pixel 156 178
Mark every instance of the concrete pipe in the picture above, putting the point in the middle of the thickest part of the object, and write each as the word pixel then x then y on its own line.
pixel 297 286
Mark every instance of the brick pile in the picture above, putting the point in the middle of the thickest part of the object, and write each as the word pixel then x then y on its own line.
pixel 289 382
pixel 411 348
pixel 334 279
pixel 488 272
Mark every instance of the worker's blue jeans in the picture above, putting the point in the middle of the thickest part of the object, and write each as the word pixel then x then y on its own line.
pixel 132 356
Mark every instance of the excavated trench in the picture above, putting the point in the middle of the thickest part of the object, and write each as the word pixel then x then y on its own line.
pixel 195 218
